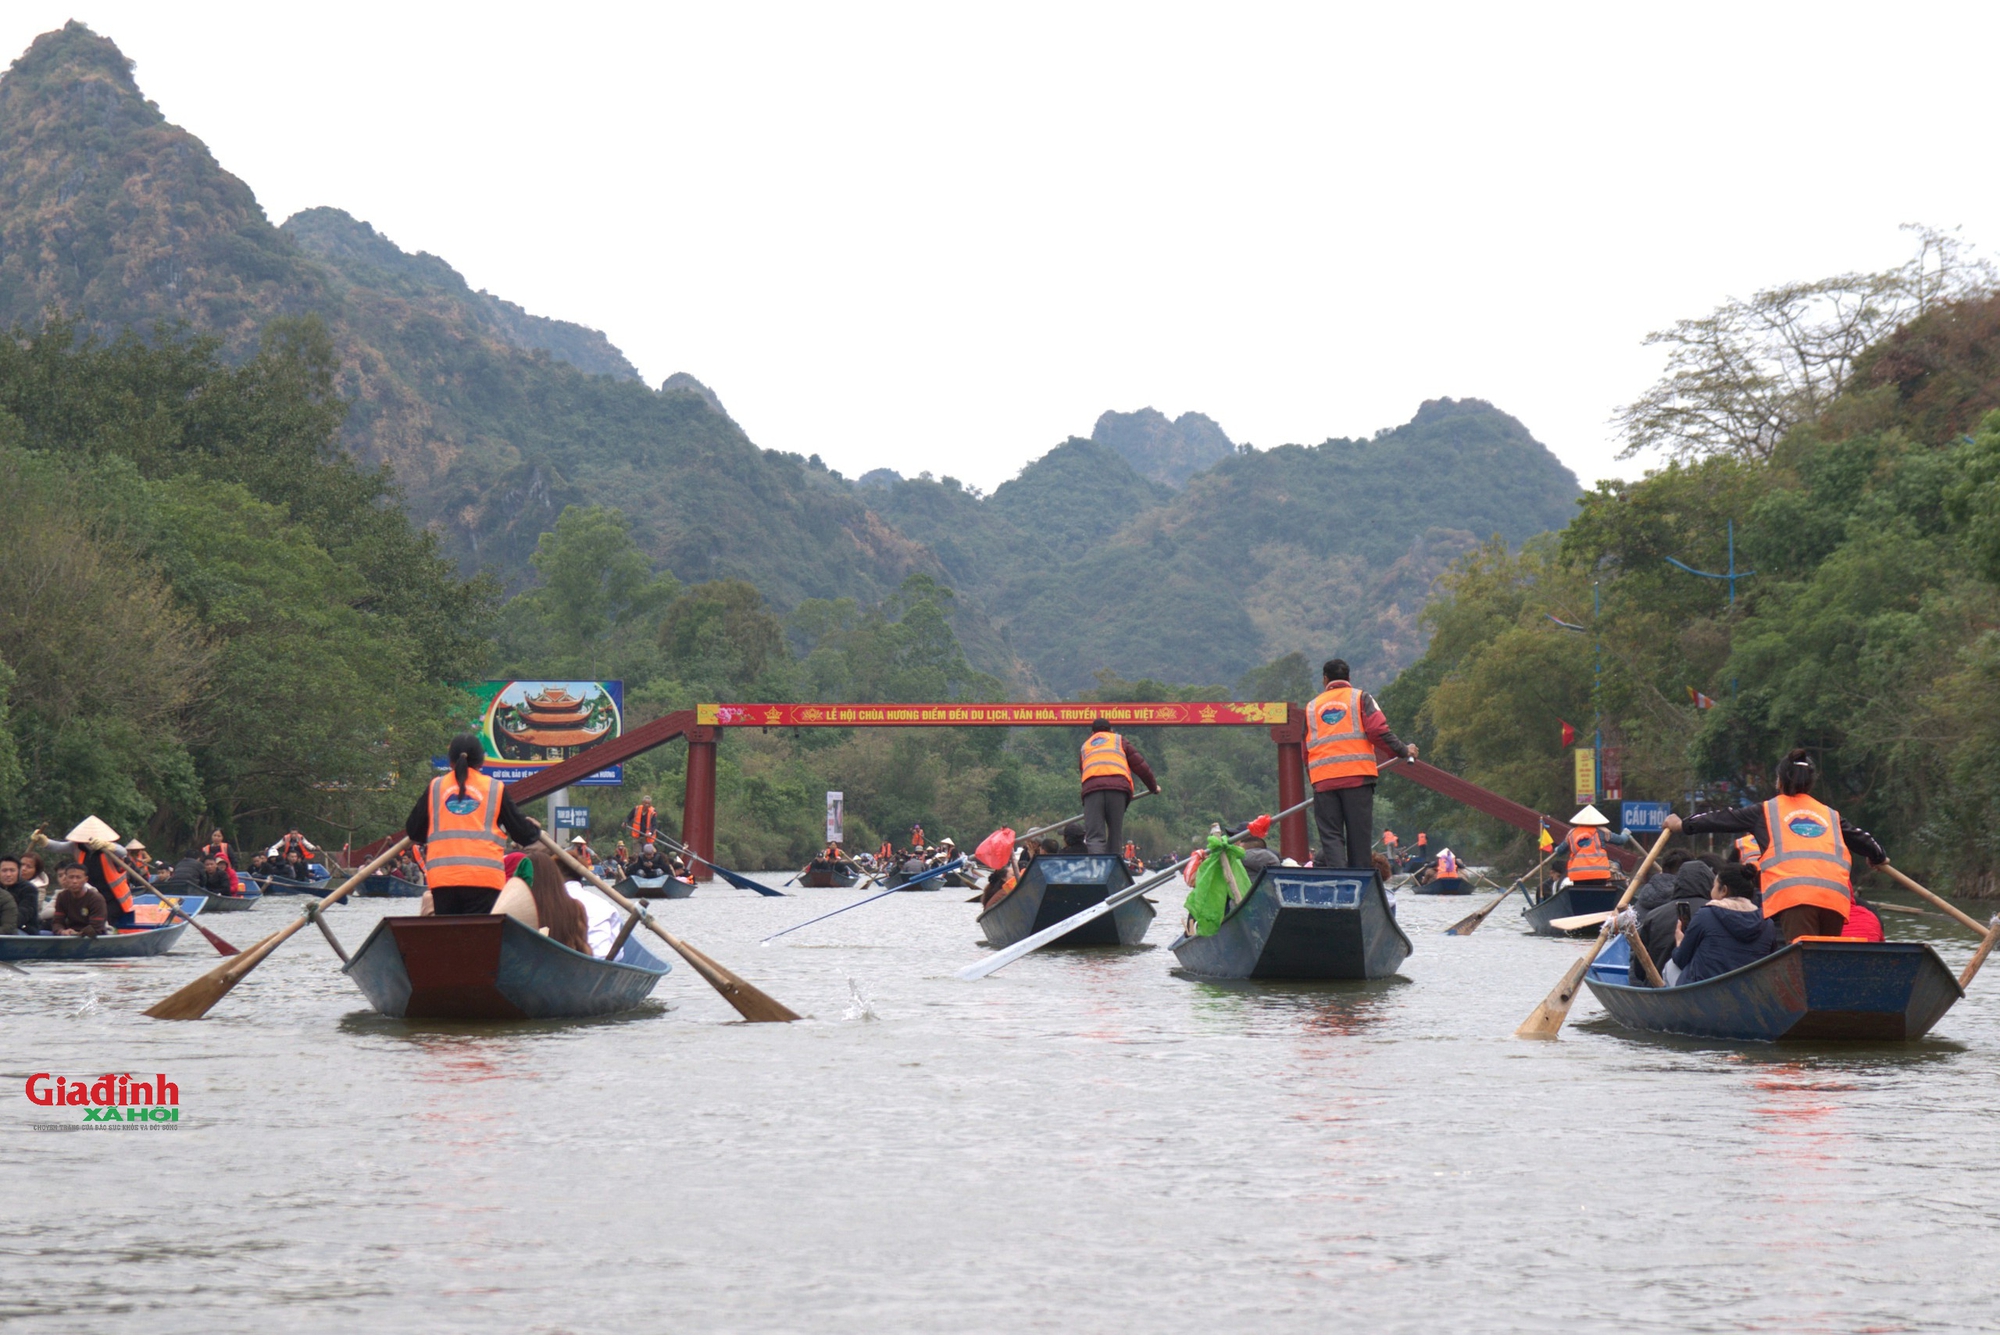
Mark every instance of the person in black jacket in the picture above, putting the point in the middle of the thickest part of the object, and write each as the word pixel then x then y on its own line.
pixel 27 900
pixel 1687 891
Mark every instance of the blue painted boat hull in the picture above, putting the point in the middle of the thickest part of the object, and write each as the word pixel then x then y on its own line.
pixel 1443 885
pixel 664 887
pixel 491 967
pixel 1855 991
pixel 1567 903
pixel 384 886
pixel 1302 923
pixel 284 885
pixel 1057 886
pixel 119 946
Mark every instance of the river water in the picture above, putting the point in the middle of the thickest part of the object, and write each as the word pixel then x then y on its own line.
pixel 1084 1141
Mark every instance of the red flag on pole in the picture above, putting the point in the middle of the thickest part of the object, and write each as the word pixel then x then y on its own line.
pixel 1699 700
pixel 1569 733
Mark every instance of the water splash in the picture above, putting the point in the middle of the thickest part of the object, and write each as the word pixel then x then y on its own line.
pixel 90 1005
pixel 859 1007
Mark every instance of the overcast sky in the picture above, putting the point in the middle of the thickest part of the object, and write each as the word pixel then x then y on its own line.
pixel 945 237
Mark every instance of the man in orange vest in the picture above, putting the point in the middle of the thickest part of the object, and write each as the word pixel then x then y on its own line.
pixel 1586 862
pixel 1806 867
pixel 643 823
pixel 459 821
pixel 1345 732
pixel 1109 763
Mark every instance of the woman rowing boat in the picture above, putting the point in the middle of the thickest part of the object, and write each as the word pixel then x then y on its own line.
pixel 459 820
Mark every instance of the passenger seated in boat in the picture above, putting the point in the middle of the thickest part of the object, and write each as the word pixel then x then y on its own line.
pixel 260 865
pixel 536 897
pixel 1726 933
pixel 1862 921
pixel 1658 924
pixel 1257 854
pixel 1073 838
pixel 79 908
pixel 1659 887
pixel 295 866
pixel 27 900
pixel 650 864
pixel 214 876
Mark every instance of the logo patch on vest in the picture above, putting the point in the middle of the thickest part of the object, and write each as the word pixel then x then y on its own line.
pixel 1805 825
pixel 1333 714
pixel 461 806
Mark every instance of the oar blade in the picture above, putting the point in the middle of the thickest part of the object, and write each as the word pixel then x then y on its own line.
pixel 1571 924
pixel 1547 1018
pixel 1469 924
pixel 198 998
pixel 751 1003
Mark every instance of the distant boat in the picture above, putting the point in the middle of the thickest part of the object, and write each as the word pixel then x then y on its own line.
pixel 821 875
pixel 1816 988
pixel 218 903
pixel 383 885
pixel 492 967
pixel 655 887
pixel 285 885
pixel 1568 902
pixel 1057 886
pixel 1302 923
pixel 130 943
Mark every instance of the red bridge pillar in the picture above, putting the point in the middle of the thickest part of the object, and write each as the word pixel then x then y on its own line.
pixel 1291 739
pixel 698 806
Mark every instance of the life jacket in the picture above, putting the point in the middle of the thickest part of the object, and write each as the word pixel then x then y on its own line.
pixel 641 826
pixel 221 850
pixel 1337 747
pixel 108 877
pixel 1807 861
pixel 885 852
pixel 1389 840
pixel 465 848
pixel 1104 758
pixel 1447 863
pixel 917 838
pixel 1747 851
pixel 1587 859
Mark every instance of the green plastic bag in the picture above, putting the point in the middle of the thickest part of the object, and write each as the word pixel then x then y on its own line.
pixel 1208 902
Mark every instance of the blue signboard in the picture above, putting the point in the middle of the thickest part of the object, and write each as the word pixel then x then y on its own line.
pixel 1646 817
pixel 573 818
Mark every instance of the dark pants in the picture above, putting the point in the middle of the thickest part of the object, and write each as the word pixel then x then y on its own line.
pixel 1104 820
pixel 451 900
pixel 1346 820
pixel 1807 920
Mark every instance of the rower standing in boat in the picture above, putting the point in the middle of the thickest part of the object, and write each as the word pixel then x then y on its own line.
pixel 87 846
pixel 644 822
pixel 1391 847
pixel 459 820
pixel 1109 763
pixel 1806 867
pixel 1585 860
pixel 1345 731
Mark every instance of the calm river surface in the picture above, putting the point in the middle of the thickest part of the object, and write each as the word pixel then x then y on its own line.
pixel 1084 1141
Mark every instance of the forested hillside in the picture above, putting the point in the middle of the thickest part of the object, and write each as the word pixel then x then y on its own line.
pixel 1863 490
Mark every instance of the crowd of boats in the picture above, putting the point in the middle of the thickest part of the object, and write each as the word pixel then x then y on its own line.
pixel 1277 922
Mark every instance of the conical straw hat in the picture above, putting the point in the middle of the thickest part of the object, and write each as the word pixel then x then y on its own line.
pixel 1590 815
pixel 91 830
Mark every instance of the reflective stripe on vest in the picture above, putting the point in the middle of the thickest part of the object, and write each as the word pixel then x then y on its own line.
pixel 1587 859
pixel 1747 851
pixel 1807 861
pixel 466 850
pixel 1337 746
pixel 113 877
pixel 1104 758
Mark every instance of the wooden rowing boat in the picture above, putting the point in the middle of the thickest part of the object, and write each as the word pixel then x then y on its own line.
pixel 212 902
pixel 1816 988
pixel 285 885
pixel 491 967
pixel 1302 923
pixel 655 887
pixel 1054 887
pixel 825 875
pixel 132 943
pixel 1441 885
pixel 1568 902
pixel 383 885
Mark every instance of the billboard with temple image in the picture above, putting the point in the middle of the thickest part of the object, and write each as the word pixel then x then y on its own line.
pixel 526 726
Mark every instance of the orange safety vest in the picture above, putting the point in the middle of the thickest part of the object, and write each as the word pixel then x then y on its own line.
pixel 1337 747
pixel 1587 859
pixel 465 846
pixel 1747 851
pixel 643 823
pixel 114 879
pixel 1807 861
pixel 1104 758
pixel 1447 863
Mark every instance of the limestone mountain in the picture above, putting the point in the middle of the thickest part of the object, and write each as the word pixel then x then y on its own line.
pixel 1168 452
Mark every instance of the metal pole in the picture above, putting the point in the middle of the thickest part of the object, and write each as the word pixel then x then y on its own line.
pixel 1596 700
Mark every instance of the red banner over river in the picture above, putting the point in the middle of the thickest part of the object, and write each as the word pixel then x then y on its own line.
pixel 1147 714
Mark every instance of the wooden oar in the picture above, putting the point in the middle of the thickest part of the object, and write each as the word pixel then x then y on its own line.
pixel 1546 1021
pixel 953 865
pixel 1469 924
pixel 199 997
pixel 1910 909
pixel 749 1002
pixel 1000 959
pixel 222 947
pixel 1572 923
pixel 737 879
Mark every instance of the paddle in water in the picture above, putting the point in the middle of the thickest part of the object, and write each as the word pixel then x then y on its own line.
pixel 749 1002
pixel 1000 959
pixel 1546 1021
pixel 199 997
pixel 1469 924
